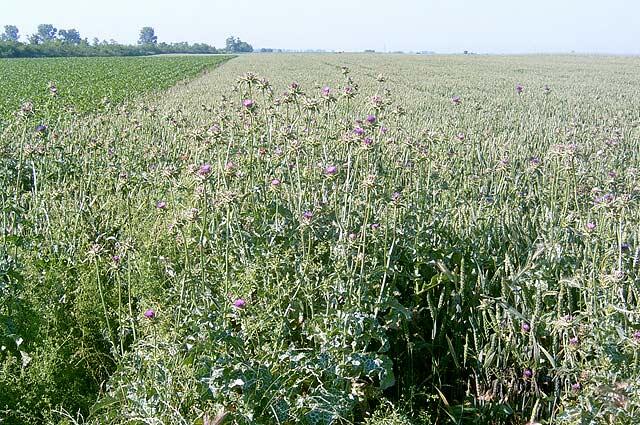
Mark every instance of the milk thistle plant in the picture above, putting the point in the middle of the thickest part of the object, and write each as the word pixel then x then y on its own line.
pixel 335 239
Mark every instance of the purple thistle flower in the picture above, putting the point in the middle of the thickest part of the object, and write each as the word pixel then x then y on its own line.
pixel 527 373
pixel 371 119
pixel 116 259
pixel 275 182
pixel 525 327
pixel 204 170
pixel 636 335
pixel 625 247
pixel 326 91
pixel 375 226
pixel 239 303
pixel 574 340
pixel 41 129
pixel 307 215
pixel 150 314
pixel 248 103
pixel 547 89
pixel 576 386
pixel 331 170
pixel 395 196
pixel 590 226
pixel 161 205
pixel 358 131
pixel 367 141
pixel 456 100
pixel 519 88
pixel 376 101
pixel 383 129
pixel 535 161
pixel 460 136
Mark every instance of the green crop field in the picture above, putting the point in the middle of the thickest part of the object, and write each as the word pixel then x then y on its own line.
pixel 55 85
pixel 323 239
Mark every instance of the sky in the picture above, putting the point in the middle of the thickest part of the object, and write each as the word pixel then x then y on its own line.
pixel 443 26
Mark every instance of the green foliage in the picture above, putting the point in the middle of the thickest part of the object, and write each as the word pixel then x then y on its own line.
pixel 58 48
pixel 48 88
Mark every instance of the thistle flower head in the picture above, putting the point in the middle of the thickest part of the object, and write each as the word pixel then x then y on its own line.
pixel 534 161
pixel 149 314
pixel 204 170
pixel 331 170
pixel 377 101
pixel 239 303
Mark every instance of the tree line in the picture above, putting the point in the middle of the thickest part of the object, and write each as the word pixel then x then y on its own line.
pixel 49 41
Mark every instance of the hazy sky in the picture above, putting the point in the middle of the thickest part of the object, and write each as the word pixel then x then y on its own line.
pixel 446 26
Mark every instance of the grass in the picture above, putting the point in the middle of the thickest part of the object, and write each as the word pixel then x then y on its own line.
pixel 374 253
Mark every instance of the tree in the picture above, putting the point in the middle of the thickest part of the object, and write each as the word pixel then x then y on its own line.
pixel 71 36
pixel 236 45
pixel 34 39
pixel 230 44
pixel 148 36
pixel 10 33
pixel 46 32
